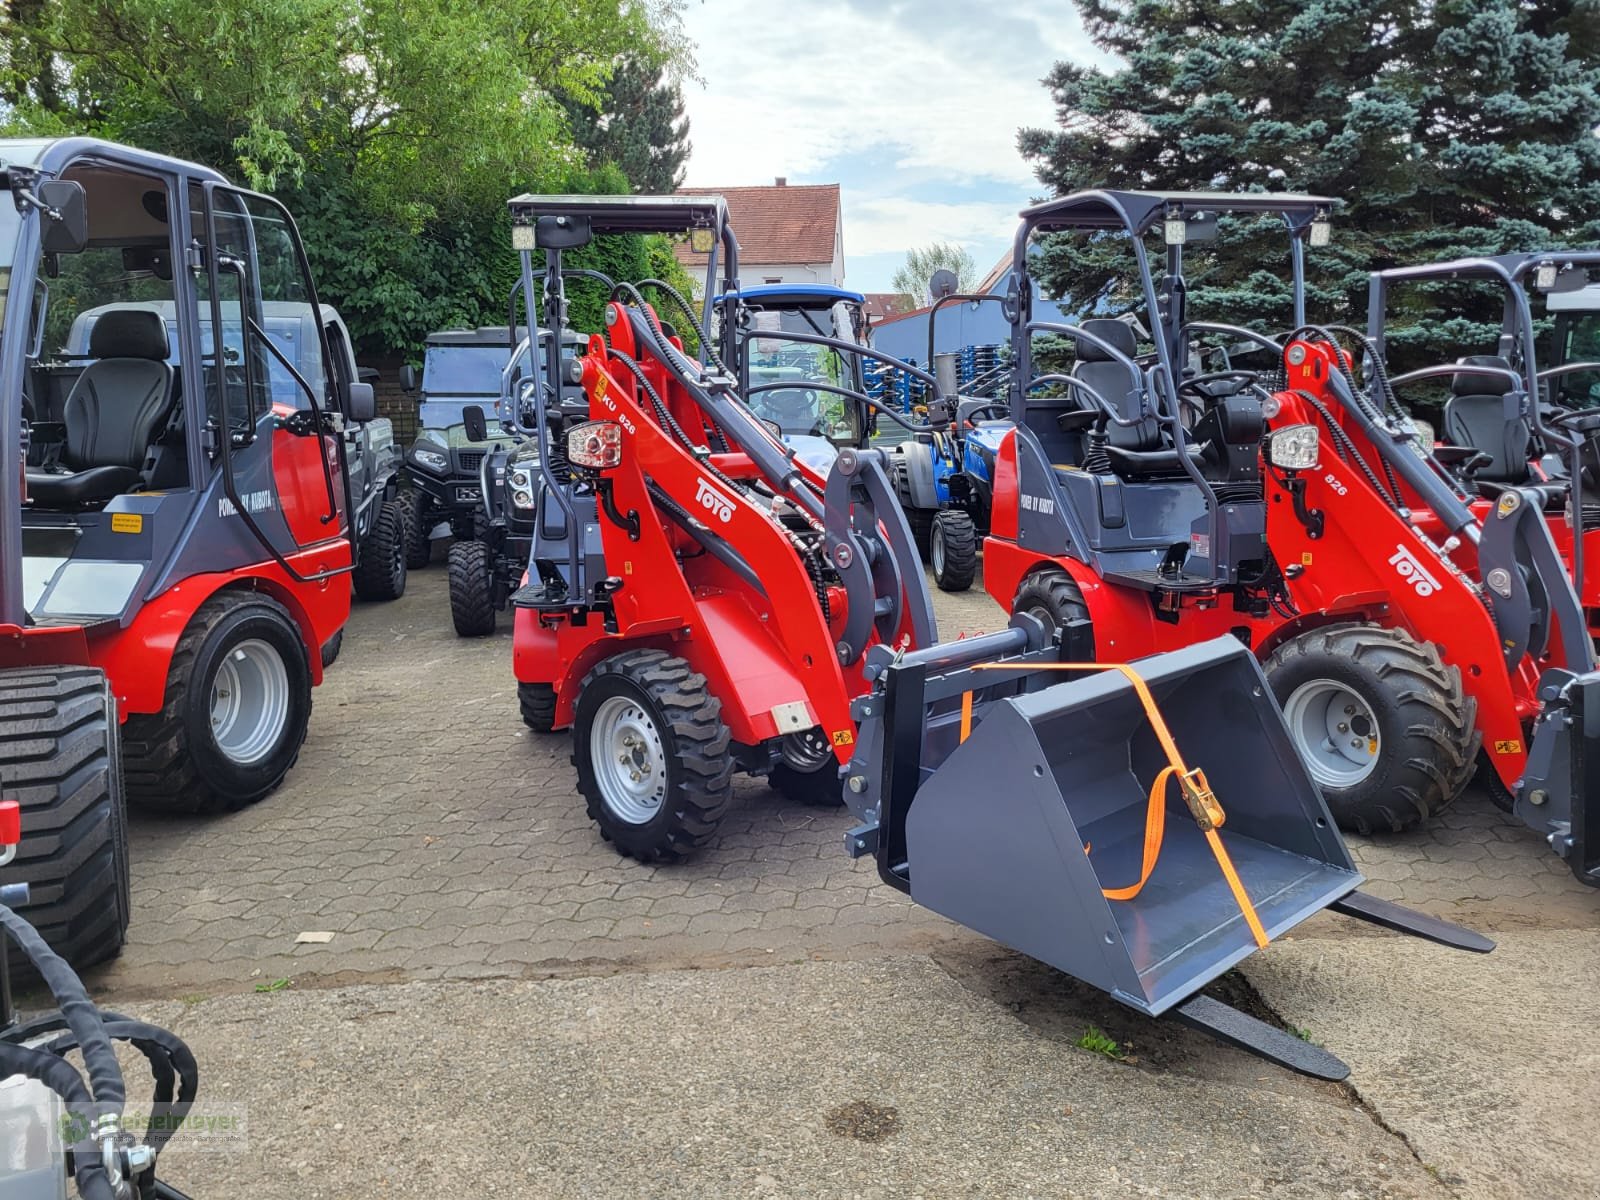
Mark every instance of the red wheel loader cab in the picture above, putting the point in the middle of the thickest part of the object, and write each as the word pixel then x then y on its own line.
pixel 174 548
pixel 1520 412
pixel 699 598
pixel 1167 506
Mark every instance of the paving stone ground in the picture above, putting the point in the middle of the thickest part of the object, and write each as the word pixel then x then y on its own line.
pixel 434 836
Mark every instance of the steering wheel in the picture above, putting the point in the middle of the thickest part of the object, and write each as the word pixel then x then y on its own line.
pixel 1195 386
pixel 791 406
pixel 1578 420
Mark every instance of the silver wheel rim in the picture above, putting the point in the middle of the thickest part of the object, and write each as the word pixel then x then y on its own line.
pixel 249 701
pixel 936 548
pixel 1335 732
pixel 630 762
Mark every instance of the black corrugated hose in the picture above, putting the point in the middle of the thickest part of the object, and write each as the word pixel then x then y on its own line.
pixel 83 1026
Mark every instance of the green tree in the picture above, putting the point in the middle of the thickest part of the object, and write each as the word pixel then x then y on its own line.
pixel 1464 126
pixel 911 280
pixel 637 122
pixel 395 130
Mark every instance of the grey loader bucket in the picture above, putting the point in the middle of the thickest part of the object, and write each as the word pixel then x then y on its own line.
pixel 1036 828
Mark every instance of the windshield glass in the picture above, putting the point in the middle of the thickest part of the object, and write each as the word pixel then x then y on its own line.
pixel 463 370
pixel 1577 337
pixel 775 359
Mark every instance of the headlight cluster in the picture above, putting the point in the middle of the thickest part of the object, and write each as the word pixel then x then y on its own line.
pixel 433 460
pixel 522 487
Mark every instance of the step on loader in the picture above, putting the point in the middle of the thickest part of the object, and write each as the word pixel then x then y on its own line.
pixel 175 512
pixel 701 602
pixel 1298 512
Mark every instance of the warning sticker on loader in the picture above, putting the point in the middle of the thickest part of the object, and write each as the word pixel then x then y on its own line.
pixel 1508 747
pixel 843 737
pixel 127 523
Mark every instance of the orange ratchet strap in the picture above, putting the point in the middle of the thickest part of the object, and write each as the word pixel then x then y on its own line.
pixel 1197 793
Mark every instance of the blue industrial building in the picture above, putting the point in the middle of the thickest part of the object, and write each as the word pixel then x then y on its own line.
pixel 958 325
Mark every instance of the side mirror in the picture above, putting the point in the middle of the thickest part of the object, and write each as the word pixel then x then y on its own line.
pixel 66 219
pixel 477 426
pixel 363 403
pixel 408 378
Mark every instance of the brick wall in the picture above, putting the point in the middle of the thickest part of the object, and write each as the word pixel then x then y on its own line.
pixel 399 406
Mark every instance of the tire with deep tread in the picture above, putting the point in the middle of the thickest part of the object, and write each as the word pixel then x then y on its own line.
pixel 60 759
pixel 1427 725
pixel 953 550
pixel 171 760
pixel 1052 595
pixel 919 519
pixel 472 589
pixel 331 648
pixel 419 547
pixel 380 572
pixel 696 745
pixel 814 789
pixel 538 704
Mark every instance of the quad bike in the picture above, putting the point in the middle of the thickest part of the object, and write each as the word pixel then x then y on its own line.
pixel 1513 418
pixel 176 529
pixel 944 476
pixel 701 602
pixel 1308 522
pixel 60 1123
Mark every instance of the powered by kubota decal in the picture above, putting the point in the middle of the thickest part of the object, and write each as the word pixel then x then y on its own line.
pixel 254 502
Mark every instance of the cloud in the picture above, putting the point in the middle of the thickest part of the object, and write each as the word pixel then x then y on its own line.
pixel 940 86
pixel 884 224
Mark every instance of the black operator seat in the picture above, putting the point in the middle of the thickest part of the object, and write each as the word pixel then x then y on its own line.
pixel 116 409
pixel 1140 450
pixel 1475 416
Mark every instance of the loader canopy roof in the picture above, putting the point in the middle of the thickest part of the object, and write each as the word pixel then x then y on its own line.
pixel 627 214
pixel 1139 211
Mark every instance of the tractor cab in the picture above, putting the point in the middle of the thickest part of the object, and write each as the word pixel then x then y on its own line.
pixel 1129 454
pixel 176 512
pixel 151 451
pixel 800 387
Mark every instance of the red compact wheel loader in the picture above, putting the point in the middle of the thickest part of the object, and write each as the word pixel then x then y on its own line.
pixel 1409 640
pixel 1522 416
pixel 700 602
pixel 174 538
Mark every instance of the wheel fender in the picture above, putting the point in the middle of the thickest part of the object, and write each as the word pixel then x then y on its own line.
pixel 920 475
pixel 136 659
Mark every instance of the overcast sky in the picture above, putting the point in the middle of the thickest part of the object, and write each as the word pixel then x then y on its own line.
pixel 913 106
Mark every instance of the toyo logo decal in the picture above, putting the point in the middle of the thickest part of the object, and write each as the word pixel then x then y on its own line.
pixel 254 502
pixel 1413 572
pixel 713 501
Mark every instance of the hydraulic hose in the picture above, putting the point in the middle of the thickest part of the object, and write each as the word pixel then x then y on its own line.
pixel 62 1078
pixel 81 1016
